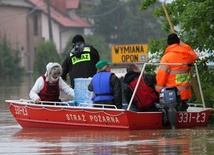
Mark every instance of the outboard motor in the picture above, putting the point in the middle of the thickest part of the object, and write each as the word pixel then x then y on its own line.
pixel 170 99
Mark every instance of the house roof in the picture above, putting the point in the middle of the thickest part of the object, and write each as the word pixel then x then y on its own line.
pixel 59 17
pixel 72 4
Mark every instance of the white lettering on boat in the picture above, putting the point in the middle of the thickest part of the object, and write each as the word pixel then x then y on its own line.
pixel 106 119
pixel 72 117
pixel 92 118
pixel 189 117
pixel 20 110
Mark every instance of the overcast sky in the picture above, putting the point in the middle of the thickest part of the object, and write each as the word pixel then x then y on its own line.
pixel 167 1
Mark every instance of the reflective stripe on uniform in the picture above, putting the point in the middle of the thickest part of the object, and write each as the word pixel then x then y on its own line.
pixel 179 87
pixel 182 78
pixel 159 87
pixel 183 87
pixel 164 67
pixel 173 71
pixel 86 49
pixel 179 71
pixel 84 57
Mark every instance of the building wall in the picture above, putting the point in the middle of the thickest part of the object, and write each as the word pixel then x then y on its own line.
pixel 55 31
pixel 33 37
pixel 70 33
pixel 13 25
pixel 17 22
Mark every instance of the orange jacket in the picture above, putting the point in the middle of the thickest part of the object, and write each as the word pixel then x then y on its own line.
pixel 179 76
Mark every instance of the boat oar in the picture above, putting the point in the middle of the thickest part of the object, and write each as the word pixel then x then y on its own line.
pixel 168 18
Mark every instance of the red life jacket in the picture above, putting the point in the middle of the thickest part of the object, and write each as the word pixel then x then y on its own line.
pixel 145 95
pixel 50 91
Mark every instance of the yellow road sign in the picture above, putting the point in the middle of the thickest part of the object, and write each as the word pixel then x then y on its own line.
pixel 129 53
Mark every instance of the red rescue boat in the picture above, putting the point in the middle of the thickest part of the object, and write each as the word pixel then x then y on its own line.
pixel 30 115
pixel 63 115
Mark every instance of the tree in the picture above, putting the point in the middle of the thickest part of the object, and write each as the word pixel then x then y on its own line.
pixel 193 21
pixel 122 22
pixel 45 52
pixel 110 17
pixel 101 45
pixel 9 61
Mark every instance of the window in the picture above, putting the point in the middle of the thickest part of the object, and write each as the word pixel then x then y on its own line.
pixel 35 25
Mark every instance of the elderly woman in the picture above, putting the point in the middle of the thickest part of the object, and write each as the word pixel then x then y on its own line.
pixel 47 87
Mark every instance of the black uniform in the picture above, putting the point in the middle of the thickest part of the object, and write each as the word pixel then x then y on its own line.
pixel 80 62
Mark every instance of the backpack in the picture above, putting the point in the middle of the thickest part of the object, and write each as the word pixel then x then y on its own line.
pixel 145 95
pixel 77 49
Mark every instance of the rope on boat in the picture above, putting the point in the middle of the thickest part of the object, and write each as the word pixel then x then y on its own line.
pixel 72 110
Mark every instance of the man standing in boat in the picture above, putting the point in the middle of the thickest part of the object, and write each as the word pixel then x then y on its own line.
pixel 80 61
pixel 106 86
pixel 146 95
pixel 178 76
pixel 47 87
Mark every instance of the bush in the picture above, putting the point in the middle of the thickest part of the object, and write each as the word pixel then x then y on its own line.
pixel 45 52
pixel 9 58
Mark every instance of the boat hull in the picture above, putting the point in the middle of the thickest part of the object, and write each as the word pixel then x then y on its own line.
pixel 30 115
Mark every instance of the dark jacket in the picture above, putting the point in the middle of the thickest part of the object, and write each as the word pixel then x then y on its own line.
pixel 117 91
pixel 150 80
pixel 80 62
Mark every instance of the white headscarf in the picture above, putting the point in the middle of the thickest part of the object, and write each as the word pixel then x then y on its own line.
pixel 53 68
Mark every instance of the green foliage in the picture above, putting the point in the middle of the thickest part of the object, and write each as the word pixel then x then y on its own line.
pixel 146 4
pixel 9 61
pixel 100 44
pixel 206 77
pixel 192 19
pixel 67 48
pixel 45 52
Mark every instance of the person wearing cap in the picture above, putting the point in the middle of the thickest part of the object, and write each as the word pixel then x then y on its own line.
pixel 48 86
pixel 178 76
pixel 80 61
pixel 106 86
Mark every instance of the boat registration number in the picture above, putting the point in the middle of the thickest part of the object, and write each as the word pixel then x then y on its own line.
pixel 192 117
pixel 21 110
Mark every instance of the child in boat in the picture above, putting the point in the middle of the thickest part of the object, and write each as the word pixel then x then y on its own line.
pixel 47 87
pixel 106 86
pixel 145 96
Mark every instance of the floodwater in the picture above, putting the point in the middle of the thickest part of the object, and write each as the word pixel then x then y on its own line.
pixel 15 140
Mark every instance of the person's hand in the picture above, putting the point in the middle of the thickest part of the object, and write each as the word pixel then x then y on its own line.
pixel 37 100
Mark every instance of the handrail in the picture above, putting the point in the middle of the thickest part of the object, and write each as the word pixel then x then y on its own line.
pixel 64 103
pixel 174 64
pixel 199 83
pixel 105 105
pixel 135 89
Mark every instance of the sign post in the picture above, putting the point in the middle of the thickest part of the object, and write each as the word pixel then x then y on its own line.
pixel 129 53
